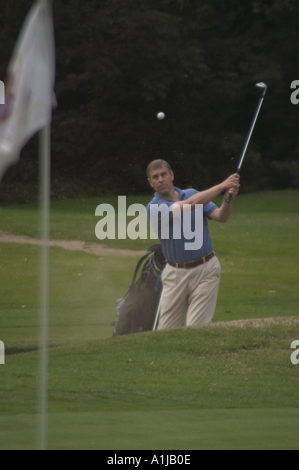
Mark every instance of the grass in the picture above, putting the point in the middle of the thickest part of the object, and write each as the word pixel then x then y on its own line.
pixel 257 249
pixel 84 289
pixel 72 219
pixel 225 385
pixel 178 430
pixel 258 220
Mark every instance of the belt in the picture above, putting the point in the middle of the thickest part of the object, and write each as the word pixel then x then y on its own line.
pixel 192 264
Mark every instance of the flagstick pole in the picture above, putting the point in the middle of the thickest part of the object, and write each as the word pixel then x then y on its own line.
pixel 44 193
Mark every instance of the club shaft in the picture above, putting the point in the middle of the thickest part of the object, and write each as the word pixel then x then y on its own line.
pixel 157 313
pixel 249 137
pixel 250 133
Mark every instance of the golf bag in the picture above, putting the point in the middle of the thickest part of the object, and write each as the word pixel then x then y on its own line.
pixel 137 310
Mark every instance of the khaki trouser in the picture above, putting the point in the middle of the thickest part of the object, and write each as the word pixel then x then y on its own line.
pixel 189 295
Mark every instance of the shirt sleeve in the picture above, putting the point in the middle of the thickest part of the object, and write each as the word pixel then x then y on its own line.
pixel 208 209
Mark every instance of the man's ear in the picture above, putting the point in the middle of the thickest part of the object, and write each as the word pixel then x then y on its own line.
pixel 172 175
pixel 149 182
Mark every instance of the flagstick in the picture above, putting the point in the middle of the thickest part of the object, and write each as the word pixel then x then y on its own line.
pixel 44 189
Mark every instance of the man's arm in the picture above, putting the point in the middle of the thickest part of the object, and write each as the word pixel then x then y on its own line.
pixel 231 185
pixel 223 213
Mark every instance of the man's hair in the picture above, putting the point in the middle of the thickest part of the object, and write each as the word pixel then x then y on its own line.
pixel 157 164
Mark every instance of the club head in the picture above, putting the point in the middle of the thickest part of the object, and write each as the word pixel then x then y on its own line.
pixel 262 86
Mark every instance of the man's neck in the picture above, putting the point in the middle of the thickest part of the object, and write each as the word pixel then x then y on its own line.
pixel 173 195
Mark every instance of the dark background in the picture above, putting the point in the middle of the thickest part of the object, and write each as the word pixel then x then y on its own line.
pixel 121 62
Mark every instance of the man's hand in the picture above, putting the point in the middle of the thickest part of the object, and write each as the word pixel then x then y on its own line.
pixel 232 186
pixel 232 182
pixel 234 191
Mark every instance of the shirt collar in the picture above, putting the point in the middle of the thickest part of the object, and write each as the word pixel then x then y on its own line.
pixel 180 191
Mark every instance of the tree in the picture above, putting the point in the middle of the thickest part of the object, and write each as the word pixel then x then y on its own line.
pixel 120 62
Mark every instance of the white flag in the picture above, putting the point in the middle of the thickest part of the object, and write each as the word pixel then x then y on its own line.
pixel 29 88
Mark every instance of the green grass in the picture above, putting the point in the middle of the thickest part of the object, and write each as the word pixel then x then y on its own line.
pixel 258 220
pixel 225 385
pixel 257 249
pixel 84 289
pixel 72 219
pixel 175 430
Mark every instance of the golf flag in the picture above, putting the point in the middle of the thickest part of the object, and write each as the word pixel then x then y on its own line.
pixel 29 87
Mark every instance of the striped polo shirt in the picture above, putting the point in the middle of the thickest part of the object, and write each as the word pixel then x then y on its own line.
pixel 174 248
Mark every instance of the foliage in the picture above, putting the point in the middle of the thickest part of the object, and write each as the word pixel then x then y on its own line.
pixel 120 62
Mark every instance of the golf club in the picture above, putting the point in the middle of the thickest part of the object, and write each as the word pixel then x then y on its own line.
pixel 263 86
pixel 157 314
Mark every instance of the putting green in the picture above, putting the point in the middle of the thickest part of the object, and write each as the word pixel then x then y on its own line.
pixel 231 429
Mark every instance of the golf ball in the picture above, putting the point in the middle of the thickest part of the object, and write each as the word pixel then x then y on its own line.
pixel 160 116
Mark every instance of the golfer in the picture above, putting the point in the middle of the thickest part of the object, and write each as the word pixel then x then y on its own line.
pixel 191 277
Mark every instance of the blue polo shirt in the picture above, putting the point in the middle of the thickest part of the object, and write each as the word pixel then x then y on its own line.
pixel 175 249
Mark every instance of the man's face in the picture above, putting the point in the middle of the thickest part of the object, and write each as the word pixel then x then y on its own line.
pixel 161 180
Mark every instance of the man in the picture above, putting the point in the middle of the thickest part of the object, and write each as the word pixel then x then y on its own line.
pixel 191 277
